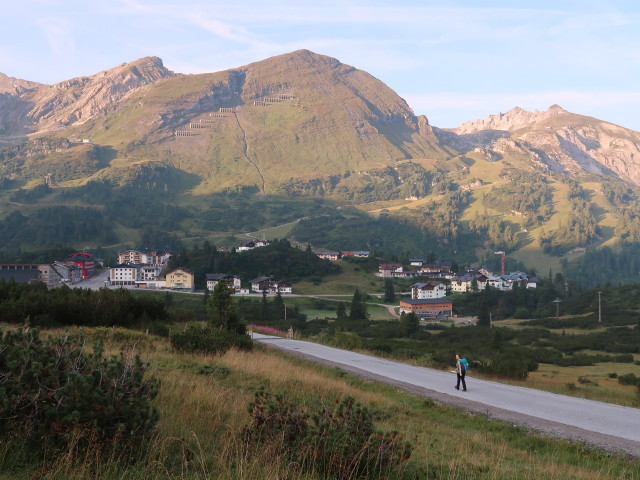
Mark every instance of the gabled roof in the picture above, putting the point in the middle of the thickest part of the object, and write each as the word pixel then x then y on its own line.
pixel 186 270
pixel 218 276
pixel 412 301
pixel 262 279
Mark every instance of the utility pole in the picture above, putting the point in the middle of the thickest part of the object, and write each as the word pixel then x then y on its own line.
pixel 501 261
pixel 557 302
pixel 599 309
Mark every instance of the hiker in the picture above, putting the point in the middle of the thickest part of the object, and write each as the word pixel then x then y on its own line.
pixel 461 371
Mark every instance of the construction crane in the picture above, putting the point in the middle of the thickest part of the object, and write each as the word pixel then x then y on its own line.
pixel 501 261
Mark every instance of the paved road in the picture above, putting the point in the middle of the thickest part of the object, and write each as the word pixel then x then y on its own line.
pixel 608 426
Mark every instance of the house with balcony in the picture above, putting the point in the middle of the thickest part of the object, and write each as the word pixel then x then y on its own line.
pixel 180 279
pixel 270 285
pixel 232 281
pixel 432 289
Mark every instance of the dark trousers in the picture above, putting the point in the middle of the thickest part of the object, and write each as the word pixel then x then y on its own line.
pixel 461 377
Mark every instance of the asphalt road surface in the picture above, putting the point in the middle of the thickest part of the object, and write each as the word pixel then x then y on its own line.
pixel 610 427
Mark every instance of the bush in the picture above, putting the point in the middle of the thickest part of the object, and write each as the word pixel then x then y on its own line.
pixel 629 379
pixel 337 441
pixel 346 340
pixel 209 340
pixel 55 396
pixel 509 366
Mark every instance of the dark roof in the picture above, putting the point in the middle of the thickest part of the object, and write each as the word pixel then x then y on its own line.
pixel 19 276
pixel 412 301
pixel 217 276
pixel 262 279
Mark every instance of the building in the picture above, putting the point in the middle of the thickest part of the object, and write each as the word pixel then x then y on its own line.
pixel 432 289
pixel 388 270
pixel 180 279
pixel 246 246
pixel 355 253
pixel 270 285
pixel 464 283
pixel 232 281
pixel 144 257
pixel 19 273
pixel 124 274
pixel 333 256
pixel 69 273
pixel 85 261
pixel 428 307
pixel 29 273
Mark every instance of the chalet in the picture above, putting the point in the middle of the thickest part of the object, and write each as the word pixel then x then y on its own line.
pixel 432 289
pixel 85 261
pixel 284 287
pixel 506 282
pixel 386 270
pixel 416 262
pixel 261 284
pixel 246 246
pixel 445 265
pixel 232 281
pixel 427 307
pixel 430 268
pixel 333 256
pixel 464 283
pixel 270 285
pixel 180 279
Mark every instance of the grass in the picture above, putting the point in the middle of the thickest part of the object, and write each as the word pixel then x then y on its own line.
pixel 202 416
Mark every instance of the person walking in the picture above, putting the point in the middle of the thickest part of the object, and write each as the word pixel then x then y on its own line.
pixel 461 371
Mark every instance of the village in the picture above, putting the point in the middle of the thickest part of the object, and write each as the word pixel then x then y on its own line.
pixel 148 269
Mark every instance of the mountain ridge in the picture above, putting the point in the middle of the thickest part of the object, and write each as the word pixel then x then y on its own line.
pixel 306 125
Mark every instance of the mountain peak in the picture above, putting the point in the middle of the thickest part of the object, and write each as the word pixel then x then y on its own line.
pixel 514 119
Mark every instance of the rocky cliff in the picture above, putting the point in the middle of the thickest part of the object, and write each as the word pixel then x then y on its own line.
pixel 554 139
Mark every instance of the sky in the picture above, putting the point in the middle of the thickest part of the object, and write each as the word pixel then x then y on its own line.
pixel 452 61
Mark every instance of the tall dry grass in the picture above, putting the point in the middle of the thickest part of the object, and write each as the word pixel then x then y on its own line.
pixel 203 403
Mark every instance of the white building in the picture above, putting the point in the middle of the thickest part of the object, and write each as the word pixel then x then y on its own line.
pixel 124 274
pixel 432 289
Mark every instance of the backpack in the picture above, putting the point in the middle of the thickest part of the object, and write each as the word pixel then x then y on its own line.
pixel 465 364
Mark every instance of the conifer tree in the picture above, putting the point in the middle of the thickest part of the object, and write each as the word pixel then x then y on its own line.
pixel 389 292
pixel 358 310
pixel 222 309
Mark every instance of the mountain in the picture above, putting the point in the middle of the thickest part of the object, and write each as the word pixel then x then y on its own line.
pixel 290 120
pixel 556 140
pixel 154 157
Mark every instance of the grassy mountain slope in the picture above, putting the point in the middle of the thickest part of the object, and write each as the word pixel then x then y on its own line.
pixel 303 136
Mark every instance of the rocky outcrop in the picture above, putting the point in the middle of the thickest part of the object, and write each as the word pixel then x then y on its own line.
pixel 38 107
pixel 555 140
pixel 514 119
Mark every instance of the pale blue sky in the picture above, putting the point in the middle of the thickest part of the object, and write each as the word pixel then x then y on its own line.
pixel 452 61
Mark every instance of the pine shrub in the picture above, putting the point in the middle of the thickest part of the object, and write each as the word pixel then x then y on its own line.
pixel 209 340
pixel 55 396
pixel 339 441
